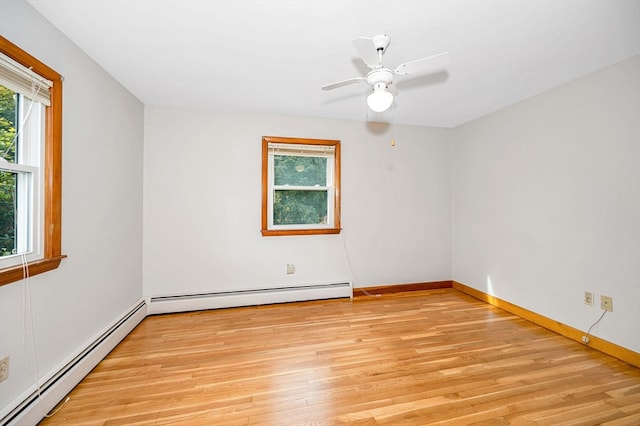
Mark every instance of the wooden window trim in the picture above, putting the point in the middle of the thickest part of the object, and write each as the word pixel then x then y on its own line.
pixel 265 187
pixel 52 169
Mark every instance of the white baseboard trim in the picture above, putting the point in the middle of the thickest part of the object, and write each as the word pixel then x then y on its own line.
pixel 228 299
pixel 30 408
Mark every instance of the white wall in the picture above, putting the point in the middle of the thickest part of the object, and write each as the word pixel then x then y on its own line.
pixel 202 189
pixel 101 208
pixel 547 202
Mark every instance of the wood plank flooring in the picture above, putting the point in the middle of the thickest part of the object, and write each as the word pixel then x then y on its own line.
pixel 436 357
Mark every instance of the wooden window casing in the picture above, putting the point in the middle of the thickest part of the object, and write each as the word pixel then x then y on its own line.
pixel 52 169
pixel 335 229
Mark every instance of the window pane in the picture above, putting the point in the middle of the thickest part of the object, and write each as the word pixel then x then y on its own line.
pixel 299 207
pixel 8 186
pixel 300 171
pixel 7 124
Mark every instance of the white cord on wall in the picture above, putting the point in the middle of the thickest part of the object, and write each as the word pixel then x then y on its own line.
pixel 32 365
pixel 28 317
pixel 585 338
pixel 353 278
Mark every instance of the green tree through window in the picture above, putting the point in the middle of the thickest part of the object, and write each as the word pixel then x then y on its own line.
pixel 7 179
pixel 295 206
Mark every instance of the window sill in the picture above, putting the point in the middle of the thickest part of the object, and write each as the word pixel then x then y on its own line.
pixel 283 232
pixel 16 273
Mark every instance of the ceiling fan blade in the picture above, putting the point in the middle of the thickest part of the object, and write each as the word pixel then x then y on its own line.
pixel 425 65
pixel 343 83
pixel 367 51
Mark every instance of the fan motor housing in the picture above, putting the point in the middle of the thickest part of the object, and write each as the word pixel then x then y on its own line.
pixel 381 75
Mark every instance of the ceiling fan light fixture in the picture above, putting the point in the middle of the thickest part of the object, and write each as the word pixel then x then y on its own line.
pixel 380 99
pixel 370 50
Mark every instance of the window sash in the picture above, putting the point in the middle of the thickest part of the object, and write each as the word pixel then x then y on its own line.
pixel 299 151
pixel 27 214
pixel 330 210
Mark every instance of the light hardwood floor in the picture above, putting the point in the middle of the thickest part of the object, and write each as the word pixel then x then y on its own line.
pixel 416 358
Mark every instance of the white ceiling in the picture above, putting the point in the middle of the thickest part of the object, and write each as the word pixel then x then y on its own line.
pixel 273 56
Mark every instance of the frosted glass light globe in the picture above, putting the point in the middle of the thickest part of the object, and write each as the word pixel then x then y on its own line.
pixel 380 99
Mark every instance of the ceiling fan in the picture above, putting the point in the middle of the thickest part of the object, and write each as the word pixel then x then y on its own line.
pixel 380 78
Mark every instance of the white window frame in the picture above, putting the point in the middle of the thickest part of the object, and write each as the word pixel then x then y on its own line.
pixel 329 149
pixel 29 183
pixel 301 151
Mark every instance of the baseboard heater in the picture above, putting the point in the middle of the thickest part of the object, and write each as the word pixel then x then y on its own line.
pixel 248 297
pixel 34 405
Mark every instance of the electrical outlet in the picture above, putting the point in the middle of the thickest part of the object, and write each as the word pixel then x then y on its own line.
pixel 588 298
pixel 606 303
pixel 4 368
pixel 291 268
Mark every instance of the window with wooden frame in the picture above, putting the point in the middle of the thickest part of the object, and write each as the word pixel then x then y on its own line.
pixel 30 165
pixel 300 186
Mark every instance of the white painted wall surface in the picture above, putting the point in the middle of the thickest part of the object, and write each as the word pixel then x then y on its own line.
pixel 202 205
pixel 547 202
pixel 101 207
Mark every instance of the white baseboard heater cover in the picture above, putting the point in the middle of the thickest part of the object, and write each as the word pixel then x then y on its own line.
pixel 249 297
pixel 30 408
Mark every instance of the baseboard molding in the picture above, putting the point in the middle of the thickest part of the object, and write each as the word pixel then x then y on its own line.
pixel 400 288
pixel 597 343
pixel 30 407
pixel 248 297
